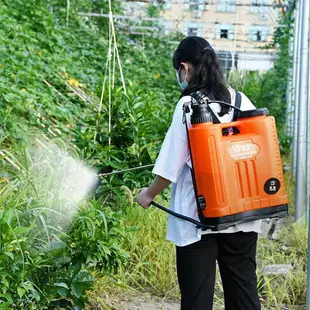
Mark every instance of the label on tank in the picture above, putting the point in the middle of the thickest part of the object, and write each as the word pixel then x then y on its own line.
pixel 272 186
pixel 238 151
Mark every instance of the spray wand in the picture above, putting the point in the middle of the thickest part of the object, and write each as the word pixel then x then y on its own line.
pixel 124 170
pixel 157 205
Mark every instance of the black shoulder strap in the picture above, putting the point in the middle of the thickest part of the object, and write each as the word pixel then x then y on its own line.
pixel 237 105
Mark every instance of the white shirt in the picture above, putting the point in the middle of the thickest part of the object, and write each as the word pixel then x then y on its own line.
pixel 174 164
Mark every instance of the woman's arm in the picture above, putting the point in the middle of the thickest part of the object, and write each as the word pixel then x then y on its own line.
pixel 168 167
pixel 147 195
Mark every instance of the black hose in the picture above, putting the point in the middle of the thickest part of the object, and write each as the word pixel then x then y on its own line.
pixel 183 217
pixel 225 103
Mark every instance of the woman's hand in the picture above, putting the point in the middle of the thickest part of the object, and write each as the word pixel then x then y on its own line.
pixel 148 194
pixel 144 199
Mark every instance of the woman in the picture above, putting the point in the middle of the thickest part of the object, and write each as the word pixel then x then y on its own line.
pixel 198 68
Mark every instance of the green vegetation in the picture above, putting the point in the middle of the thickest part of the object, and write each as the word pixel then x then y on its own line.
pixel 55 254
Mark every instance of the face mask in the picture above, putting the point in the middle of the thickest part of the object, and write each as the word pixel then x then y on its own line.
pixel 183 84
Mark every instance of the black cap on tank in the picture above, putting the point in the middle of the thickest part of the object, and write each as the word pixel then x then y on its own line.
pixel 201 114
pixel 201 110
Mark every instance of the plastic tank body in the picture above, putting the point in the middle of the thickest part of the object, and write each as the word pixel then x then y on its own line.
pixel 237 168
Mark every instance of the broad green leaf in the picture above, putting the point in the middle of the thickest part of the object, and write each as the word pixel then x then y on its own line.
pixel 5 282
pixel 83 276
pixel 62 291
pixel 21 292
pixel 21 230
pixel 62 284
pixel 77 289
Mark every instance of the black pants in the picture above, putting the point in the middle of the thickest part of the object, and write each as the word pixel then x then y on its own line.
pixel 196 266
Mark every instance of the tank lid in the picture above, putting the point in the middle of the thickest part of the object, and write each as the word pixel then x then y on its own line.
pixel 253 113
pixel 201 114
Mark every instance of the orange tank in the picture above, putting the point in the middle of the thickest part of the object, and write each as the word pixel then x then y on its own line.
pixel 237 170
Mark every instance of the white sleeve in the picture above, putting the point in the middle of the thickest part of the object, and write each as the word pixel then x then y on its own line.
pixel 246 103
pixel 174 152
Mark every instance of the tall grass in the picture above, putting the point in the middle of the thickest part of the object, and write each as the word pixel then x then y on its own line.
pixel 152 265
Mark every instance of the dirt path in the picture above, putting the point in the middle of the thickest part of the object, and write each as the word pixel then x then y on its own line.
pixel 135 301
pixel 140 302
pixel 128 300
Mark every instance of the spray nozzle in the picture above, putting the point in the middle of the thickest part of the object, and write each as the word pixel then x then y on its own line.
pixel 199 98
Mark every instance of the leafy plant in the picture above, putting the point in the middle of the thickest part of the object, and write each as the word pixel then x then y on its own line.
pixel 45 259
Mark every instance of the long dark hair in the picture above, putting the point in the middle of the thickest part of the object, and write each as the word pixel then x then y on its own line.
pixel 207 75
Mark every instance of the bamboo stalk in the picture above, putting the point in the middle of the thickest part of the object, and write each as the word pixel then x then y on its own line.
pixel 68 13
pixel 104 82
pixel 117 53
pixel 110 73
pixel 114 62
pixel 76 92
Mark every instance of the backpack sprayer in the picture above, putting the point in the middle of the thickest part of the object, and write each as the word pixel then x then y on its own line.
pixel 236 167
